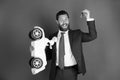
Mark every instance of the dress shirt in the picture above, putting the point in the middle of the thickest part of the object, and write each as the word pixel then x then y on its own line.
pixel 69 59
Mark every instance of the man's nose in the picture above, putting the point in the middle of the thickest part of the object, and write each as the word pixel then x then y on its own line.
pixel 64 22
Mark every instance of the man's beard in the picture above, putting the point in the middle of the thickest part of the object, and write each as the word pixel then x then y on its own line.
pixel 62 27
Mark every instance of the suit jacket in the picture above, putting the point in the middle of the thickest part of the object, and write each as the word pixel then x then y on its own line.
pixel 76 37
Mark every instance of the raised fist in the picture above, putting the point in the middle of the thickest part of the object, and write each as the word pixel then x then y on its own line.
pixel 85 13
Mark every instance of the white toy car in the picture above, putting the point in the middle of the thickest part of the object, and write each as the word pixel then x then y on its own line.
pixel 37 49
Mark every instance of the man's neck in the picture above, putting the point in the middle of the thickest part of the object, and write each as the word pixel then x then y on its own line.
pixel 63 31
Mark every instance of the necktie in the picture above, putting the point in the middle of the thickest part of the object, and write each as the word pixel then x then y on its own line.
pixel 61 51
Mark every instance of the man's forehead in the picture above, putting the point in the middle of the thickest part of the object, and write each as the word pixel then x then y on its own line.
pixel 64 15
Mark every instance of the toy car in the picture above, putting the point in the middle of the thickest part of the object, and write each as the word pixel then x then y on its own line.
pixel 37 49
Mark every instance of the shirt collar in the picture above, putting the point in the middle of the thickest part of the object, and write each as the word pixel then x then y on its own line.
pixel 59 33
pixel 64 31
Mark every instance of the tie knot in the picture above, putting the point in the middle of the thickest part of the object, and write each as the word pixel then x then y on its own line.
pixel 62 33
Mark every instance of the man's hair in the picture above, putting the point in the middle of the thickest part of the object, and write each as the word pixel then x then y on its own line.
pixel 62 12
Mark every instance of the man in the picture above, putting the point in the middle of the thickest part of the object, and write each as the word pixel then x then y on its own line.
pixel 66 55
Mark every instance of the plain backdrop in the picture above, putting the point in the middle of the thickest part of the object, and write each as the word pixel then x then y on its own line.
pixel 18 17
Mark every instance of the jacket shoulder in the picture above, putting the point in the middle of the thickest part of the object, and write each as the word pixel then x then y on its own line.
pixel 52 35
pixel 76 31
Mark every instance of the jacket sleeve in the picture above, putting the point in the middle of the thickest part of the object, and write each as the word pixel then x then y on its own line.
pixel 92 34
pixel 48 51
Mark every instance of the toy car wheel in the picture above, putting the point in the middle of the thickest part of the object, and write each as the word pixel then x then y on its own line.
pixel 36 34
pixel 36 63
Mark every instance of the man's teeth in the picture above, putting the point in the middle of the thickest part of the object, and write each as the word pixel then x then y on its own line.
pixel 65 25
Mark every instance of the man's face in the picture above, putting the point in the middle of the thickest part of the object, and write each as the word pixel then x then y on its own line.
pixel 63 22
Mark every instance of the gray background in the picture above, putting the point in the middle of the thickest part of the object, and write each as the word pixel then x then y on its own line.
pixel 18 17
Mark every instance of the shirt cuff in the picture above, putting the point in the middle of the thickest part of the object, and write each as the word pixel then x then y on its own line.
pixel 90 19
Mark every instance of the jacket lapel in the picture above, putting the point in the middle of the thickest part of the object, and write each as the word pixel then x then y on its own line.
pixel 70 37
pixel 55 34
